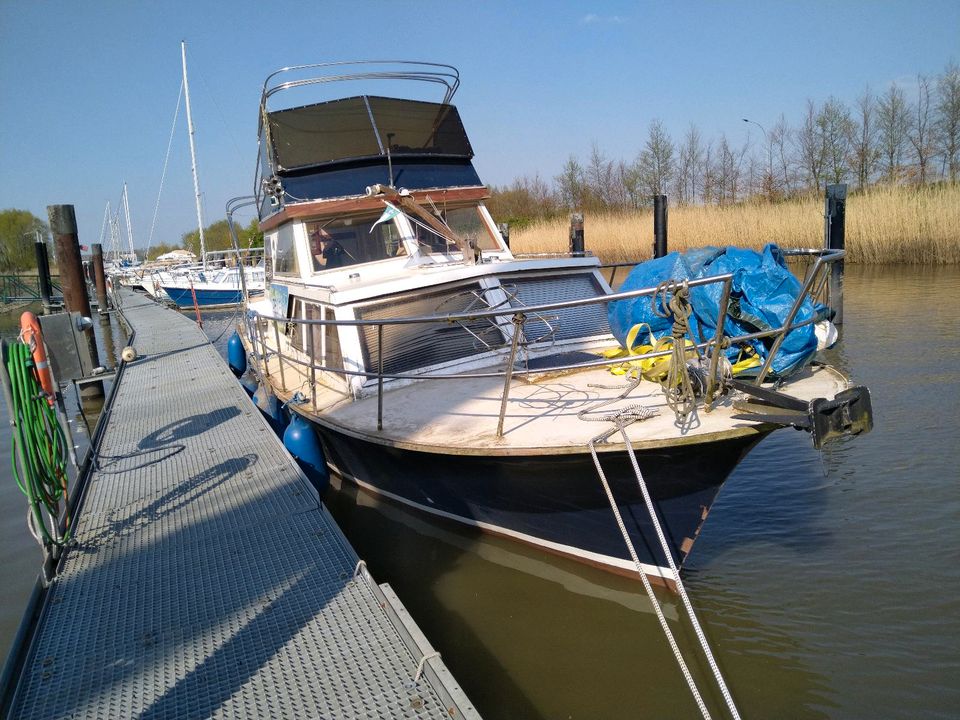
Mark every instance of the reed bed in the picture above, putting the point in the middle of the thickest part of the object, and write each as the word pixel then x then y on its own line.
pixel 885 224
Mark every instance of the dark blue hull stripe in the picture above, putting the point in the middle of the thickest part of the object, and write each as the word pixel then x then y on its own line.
pixel 183 297
pixel 557 502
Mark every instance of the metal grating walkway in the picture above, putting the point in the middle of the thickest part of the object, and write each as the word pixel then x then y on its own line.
pixel 208 580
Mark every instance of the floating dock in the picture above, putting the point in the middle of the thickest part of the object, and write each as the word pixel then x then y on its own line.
pixel 206 578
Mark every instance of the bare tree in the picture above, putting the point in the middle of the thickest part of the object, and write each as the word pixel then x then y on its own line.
pixel 780 138
pixel 863 139
pixel 893 124
pixel 834 126
pixel 810 148
pixel 728 171
pixel 760 174
pixel 921 130
pixel 948 120
pixel 571 184
pixel 628 177
pixel 689 168
pixel 600 178
pixel 524 200
pixel 656 162
pixel 708 175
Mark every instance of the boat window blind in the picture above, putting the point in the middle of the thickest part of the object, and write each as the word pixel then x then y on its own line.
pixel 565 324
pixel 410 347
pixel 362 127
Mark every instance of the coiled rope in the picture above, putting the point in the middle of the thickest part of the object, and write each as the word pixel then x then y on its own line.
pixel 672 299
pixel 39 457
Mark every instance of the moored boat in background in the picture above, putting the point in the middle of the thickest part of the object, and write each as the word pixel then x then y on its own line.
pixel 213 288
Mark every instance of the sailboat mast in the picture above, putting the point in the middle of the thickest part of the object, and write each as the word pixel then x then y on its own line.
pixel 193 153
pixel 126 212
pixel 114 234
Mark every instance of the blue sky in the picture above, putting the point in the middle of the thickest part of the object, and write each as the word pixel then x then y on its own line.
pixel 90 88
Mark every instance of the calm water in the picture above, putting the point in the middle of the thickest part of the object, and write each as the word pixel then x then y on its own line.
pixel 826 582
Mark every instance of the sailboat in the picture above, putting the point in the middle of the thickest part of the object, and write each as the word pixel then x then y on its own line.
pixel 203 285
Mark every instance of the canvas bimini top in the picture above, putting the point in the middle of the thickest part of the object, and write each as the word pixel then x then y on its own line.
pixel 336 148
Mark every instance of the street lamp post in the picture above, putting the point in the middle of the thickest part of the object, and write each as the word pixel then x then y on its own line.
pixel 766 139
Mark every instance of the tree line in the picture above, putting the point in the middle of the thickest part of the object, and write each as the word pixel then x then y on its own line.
pixel 19 230
pixel 881 137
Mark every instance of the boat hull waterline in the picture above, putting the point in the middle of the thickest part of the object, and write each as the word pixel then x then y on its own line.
pixel 206 297
pixel 554 502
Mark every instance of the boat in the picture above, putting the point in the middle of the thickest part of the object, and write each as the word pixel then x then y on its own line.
pixel 221 287
pixel 440 370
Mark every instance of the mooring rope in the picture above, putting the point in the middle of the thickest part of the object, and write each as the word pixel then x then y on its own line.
pixel 676 386
pixel 620 422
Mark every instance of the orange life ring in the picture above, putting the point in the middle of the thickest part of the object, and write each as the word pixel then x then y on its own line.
pixel 32 336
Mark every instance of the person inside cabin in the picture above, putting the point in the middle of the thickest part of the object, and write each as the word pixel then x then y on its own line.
pixel 327 252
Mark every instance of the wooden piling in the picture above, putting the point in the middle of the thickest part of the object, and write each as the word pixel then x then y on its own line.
pixel 63 225
pixel 43 275
pixel 100 279
pixel 505 232
pixel 576 234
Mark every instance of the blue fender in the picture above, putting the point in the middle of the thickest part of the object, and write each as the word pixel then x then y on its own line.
pixel 236 355
pixel 272 408
pixel 302 442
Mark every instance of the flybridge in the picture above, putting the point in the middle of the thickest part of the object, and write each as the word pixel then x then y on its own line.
pixel 335 148
pixel 365 127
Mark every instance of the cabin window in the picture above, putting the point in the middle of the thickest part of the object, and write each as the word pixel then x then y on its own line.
pixel 284 255
pixel 324 339
pixel 466 222
pixel 295 330
pixel 349 241
pixel 332 355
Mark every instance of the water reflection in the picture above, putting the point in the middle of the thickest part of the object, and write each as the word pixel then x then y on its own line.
pixel 798 577
pixel 535 636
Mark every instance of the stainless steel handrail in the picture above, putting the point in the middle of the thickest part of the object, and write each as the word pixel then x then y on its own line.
pixel 256 322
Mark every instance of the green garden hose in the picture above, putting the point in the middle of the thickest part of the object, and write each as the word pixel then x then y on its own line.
pixel 39 457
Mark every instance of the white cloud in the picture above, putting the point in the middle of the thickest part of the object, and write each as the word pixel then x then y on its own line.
pixel 594 19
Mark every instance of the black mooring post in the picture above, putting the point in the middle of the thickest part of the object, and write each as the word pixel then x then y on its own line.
pixel 43 274
pixel 505 233
pixel 659 225
pixel 834 239
pixel 576 234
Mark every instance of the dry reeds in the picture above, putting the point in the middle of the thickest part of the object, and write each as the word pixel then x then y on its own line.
pixel 885 224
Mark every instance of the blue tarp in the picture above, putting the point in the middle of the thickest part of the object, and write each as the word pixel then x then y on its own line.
pixel 761 296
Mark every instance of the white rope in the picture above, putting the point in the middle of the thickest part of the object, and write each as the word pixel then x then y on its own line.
pixel 163 174
pixel 422 664
pixel 649 588
pixel 681 590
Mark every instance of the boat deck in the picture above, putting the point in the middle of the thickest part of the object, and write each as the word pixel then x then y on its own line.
pixel 460 415
pixel 207 579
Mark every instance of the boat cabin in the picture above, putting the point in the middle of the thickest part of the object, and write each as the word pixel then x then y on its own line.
pixel 371 209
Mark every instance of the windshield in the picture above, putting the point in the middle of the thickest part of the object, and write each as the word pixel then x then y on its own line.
pixel 466 222
pixel 348 241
